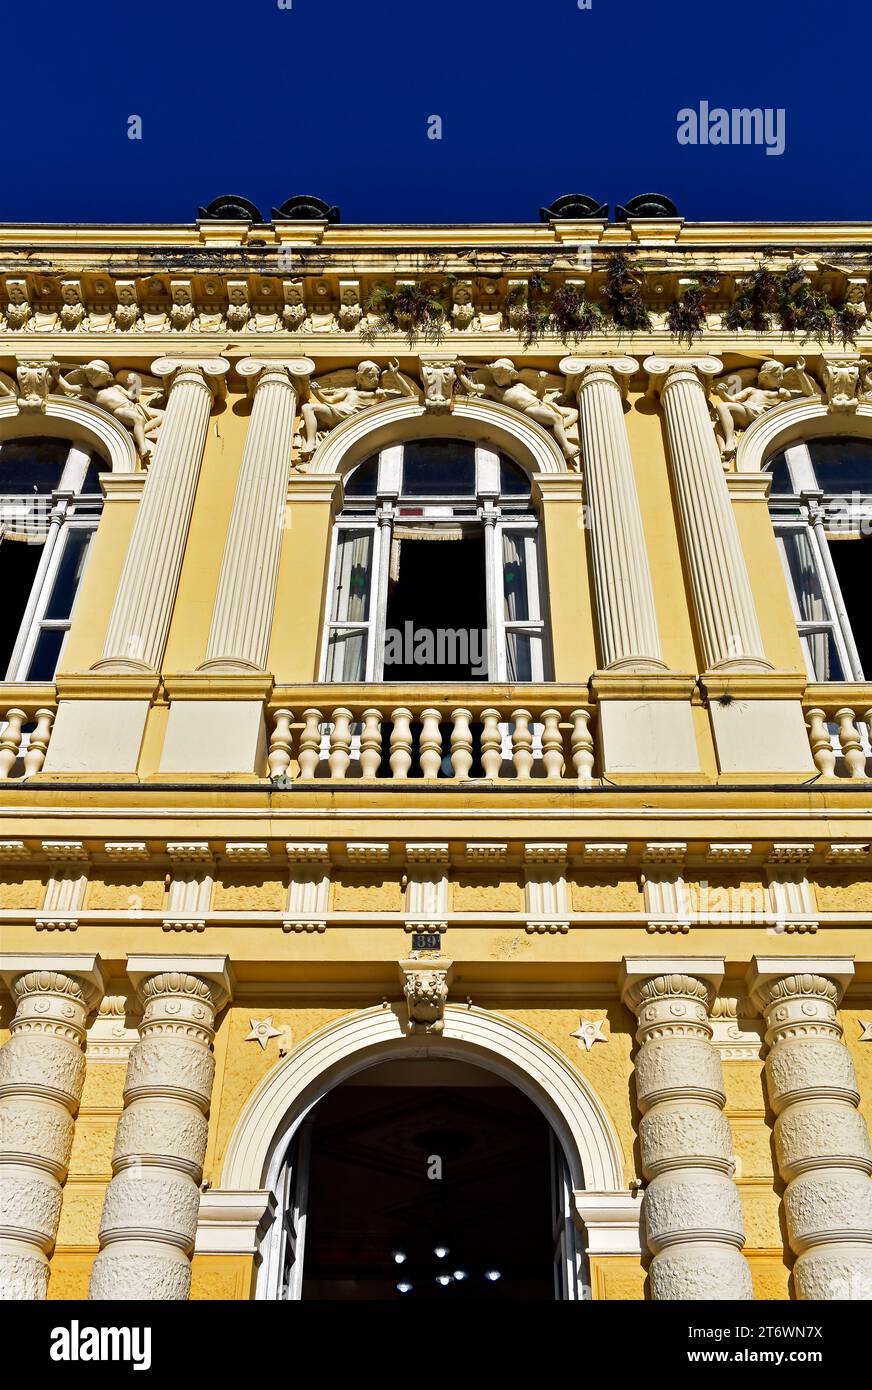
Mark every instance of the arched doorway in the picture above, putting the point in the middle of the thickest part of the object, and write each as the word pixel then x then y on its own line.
pixel 256 1163
pixel 425 1180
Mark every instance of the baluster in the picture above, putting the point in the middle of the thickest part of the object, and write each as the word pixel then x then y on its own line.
pixel 852 748
pixel 371 743
pixel 522 744
pixel 10 740
pixel 822 752
pixel 401 743
pixel 552 745
pixel 491 744
pixel 279 758
pixel 581 745
pixel 339 757
pixel 310 744
pixel 431 743
pixel 37 745
pixel 461 743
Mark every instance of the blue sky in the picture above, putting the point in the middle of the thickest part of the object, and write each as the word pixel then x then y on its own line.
pixel 332 97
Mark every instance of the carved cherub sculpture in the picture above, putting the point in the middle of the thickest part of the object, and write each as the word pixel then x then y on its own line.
pixel 343 393
pixel 739 403
pixel 536 394
pixel 120 393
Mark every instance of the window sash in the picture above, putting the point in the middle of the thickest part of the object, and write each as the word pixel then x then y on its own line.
pixel 832 621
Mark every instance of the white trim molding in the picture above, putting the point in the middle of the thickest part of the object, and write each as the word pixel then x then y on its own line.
pixel 380 425
pixel 79 421
pixel 792 421
pixel 350 1045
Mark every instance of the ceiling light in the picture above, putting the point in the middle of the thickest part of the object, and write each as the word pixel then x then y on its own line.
pixel 443 1279
pixel 492 1275
pixel 404 1288
pixel 399 1257
pixel 440 1251
pixel 460 1274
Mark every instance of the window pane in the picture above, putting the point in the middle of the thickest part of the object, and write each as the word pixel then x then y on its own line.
pixel 520 580
pixel 513 480
pixel 362 481
pixel 32 465
pixel 44 661
pixel 798 558
pixel 438 468
pixel 781 481
pixel 352 582
pixel 524 656
pixel 821 656
pixel 346 655
pixel 842 465
pixel 69 573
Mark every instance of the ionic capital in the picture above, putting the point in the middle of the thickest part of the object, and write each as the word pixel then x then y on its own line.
pixel 581 370
pixel 181 994
pixel 795 1002
pixel 286 371
pixel 666 371
pixel 203 371
pixel 52 992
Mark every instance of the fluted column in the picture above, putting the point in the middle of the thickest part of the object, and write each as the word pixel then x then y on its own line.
pixel 143 606
pixel 820 1137
pixel 624 597
pixel 150 1213
pixel 242 618
pixel 42 1068
pixel 692 1214
pixel 725 611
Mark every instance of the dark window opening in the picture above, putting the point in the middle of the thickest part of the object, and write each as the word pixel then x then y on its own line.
pixel 480 1232
pixel 436 621
pixel 438 468
pixel 852 561
pixel 18 566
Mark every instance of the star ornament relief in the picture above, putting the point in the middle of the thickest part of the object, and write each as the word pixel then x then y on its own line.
pixel 866 1035
pixel 589 1033
pixel 262 1030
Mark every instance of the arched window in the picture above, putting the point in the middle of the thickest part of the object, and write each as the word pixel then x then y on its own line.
pixel 435 572
pixel 821 505
pixel 50 502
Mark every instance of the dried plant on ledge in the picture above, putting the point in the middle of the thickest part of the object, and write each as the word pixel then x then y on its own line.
pixel 417 310
pixel 623 295
pixel 685 317
pixel 755 305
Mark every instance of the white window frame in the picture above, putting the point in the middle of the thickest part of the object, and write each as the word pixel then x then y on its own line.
pixel 62 521
pixel 484 511
pixel 809 505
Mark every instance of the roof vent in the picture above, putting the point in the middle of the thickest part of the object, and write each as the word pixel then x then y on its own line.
pixel 647 205
pixel 575 206
pixel 305 209
pixel 231 208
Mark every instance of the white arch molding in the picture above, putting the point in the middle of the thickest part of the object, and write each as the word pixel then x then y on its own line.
pixel 487 422
pixel 287 1093
pixel 794 421
pixel 236 1217
pixel 80 422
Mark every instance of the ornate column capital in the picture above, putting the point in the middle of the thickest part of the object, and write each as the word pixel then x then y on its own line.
pixel 663 371
pixel 79 978
pixel 797 994
pixel 207 979
pixel 645 980
pixel 579 370
pixel 206 371
pixel 283 370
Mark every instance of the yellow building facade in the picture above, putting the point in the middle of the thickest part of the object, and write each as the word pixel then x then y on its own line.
pixel 433 762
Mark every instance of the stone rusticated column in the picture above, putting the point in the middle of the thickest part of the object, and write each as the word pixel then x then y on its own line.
pixel 691 1213
pixel 622 579
pixel 42 1068
pixel 150 1213
pixel 820 1136
pixel 725 611
pixel 242 619
pixel 143 606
